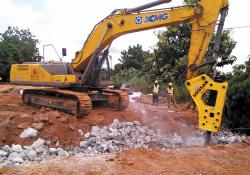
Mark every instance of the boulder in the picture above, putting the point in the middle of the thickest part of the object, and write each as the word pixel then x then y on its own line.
pixel 53 151
pixel 62 153
pixel 15 158
pixel 84 144
pixel 39 143
pixel 95 130
pixel 29 132
pixel 86 135
pixel 16 148
pixel 3 153
pixel 30 154
pixel 7 149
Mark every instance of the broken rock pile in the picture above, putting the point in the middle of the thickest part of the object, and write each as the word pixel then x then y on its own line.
pixel 113 138
pixel 224 137
pixel 127 135
pixel 16 154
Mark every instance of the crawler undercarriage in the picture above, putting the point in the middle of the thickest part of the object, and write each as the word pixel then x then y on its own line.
pixel 77 103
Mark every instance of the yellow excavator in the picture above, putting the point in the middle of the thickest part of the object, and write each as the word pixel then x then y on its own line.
pixel 74 87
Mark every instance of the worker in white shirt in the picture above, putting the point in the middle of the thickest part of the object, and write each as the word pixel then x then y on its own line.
pixel 156 93
pixel 170 95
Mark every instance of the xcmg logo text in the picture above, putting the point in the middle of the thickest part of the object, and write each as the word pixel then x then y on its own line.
pixel 151 18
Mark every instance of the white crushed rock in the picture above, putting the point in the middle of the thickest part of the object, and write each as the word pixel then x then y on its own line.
pixel 16 148
pixel 62 153
pixel 30 154
pixel 29 132
pixel 7 149
pixel 224 137
pixel 15 158
pixel 53 150
pixel 3 153
pixel 38 143
pixel 135 97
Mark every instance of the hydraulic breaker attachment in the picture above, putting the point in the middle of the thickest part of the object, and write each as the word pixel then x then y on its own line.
pixel 210 111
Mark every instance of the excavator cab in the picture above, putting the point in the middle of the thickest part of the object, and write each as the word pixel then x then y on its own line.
pixel 105 73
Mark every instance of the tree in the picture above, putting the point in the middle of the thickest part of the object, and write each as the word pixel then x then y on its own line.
pixel 172 45
pixel 134 57
pixel 170 53
pixel 117 68
pixel 226 47
pixel 132 69
pixel 16 46
pixel 237 105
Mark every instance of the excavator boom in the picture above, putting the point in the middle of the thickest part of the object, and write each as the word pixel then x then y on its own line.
pixel 123 23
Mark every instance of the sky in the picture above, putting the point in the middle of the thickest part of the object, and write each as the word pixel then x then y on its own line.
pixel 67 24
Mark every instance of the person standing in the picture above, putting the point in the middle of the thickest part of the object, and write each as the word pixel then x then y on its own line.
pixel 170 95
pixel 156 88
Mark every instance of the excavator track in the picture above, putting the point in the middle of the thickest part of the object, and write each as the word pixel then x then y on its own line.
pixel 120 100
pixel 78 104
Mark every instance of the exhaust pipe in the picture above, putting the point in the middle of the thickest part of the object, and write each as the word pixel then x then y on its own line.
pixel 146 6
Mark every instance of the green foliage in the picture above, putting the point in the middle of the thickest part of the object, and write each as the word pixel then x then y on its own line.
pixel 238 102
pixel 191 1
pixel 170 54
pixel 141 84
pixel 16 46
pixel 134 57
pixel 132 69
pixel 226 47
pixel 172 44
pixel 181 93
pixel 118 67
pixel 133 77
pixel 123 76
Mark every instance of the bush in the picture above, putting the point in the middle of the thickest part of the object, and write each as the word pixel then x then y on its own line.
pixel 237 111
pixel 182 94
pixel 141 84
pixel 134 78
pixel 123 76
